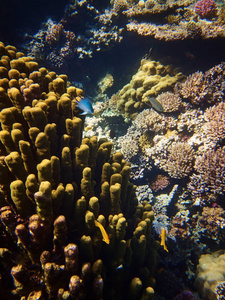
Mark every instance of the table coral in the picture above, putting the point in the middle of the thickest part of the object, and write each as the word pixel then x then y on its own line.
pixel 55 187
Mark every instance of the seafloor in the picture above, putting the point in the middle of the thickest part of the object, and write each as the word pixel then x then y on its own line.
pixel 128 201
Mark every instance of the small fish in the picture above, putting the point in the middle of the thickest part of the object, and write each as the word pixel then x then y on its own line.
pixel 87 128
pixel 84 104
pixel 163 239
pixel 105 236
pixel 119 267
pixel 155 104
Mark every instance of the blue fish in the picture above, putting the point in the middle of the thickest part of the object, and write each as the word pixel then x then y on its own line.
pixel 84 104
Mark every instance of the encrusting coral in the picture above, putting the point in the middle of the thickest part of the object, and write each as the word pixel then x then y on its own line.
pixel 71 226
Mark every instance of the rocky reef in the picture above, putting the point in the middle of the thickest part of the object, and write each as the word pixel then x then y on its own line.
pixel 71 225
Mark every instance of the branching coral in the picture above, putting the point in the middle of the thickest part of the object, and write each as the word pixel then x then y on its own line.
pixel 200 88
pixel 211 224
pixel 69 215
pixel 159 183
pixel 208 180
pixel 179 162
pixel 170 101
pixel 206 8
pixel 213 129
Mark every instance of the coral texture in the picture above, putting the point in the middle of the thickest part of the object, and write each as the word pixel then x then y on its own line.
pixel 170 101
pixel 71 225
pixel 210 274
pixel 208 179
pixel 151 79
pixel 179 163
pixel 206 8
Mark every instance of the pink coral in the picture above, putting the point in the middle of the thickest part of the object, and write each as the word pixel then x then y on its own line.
pixel 159 183
pixel 206 8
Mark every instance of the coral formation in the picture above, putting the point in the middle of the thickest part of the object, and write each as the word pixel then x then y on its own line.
pixel 159 183
pixel 206 8
pixel 208 179
pixel 211 224
pixel 205 88
pixel 179 162
pixel 171 102
pixel 151 79
pixel 71 225
pixel 210 275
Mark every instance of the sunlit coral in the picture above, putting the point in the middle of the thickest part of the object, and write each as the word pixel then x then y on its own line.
pixel 179 162
pixel 215 124
pixel 193 88
pixel 170 101
pixel 201 88
pixel 211 223
pixel 208 180
pixel 206 8
pixel 63 230
pixel 159 183
pixel 151 79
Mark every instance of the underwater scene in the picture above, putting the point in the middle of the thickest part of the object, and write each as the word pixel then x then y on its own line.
pixel 112 150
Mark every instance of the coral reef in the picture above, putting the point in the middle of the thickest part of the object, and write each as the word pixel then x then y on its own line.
pixel 179 162
pixel 171 102
pixel 208 180
pixel 159 183
pixel 151 79
pixel 71 225
pixel 72 38
pixel 201 88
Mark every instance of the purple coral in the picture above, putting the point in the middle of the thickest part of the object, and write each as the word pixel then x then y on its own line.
pixel 206 8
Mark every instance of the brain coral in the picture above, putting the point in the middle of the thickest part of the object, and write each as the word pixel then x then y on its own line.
pixel 70 219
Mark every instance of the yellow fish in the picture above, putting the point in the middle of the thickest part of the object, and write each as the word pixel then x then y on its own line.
pixel 87 128
pixel 163 239
pixel 105 236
